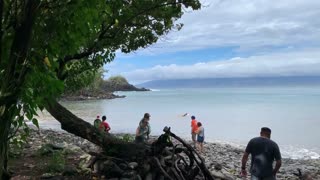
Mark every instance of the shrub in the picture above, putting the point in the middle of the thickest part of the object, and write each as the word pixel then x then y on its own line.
pixel 56 162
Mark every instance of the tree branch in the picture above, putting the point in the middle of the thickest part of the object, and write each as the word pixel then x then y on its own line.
pixel 91 50
pixel 1 31
pixel 102 35
pixel 9 21
pixel 21 41
pixel 53 4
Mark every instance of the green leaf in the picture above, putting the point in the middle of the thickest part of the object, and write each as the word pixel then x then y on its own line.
pixel 29 115
pixel 35 122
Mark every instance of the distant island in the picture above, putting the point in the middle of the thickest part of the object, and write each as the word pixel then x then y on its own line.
pixel 233 82
pixel 103 90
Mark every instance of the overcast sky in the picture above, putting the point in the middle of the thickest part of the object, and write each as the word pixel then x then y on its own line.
pixel 232 38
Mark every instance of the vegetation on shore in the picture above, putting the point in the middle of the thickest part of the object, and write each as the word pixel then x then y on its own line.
pixel 98 88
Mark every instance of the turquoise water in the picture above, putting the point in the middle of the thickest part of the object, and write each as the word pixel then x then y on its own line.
pixel 231 115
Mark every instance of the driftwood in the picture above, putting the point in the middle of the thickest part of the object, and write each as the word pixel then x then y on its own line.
pixel 166 160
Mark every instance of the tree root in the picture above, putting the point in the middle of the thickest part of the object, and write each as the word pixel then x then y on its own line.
pixel 164 160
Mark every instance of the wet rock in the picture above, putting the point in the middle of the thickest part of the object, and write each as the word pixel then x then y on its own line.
pixel 49 176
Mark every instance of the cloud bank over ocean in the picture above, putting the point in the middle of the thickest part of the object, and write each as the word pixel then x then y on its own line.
pixel 305 63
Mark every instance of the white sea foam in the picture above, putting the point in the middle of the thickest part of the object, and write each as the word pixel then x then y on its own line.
pixel 287 151
pixel 299 153
pixel 155 89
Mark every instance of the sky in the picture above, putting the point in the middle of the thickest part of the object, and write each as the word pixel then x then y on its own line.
pixel 232 38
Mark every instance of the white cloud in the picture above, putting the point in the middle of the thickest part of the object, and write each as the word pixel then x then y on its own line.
pixel 277 35
pixel 301 63
pixel 245 24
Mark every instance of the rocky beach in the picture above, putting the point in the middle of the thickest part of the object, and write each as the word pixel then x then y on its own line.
pixel 52 154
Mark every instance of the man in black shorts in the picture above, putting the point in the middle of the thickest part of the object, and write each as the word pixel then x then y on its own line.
pixel 263 152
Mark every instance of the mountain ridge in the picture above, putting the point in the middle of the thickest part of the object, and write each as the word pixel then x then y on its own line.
pixel 233 82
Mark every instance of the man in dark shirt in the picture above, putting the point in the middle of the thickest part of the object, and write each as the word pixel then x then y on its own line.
pixel 263 152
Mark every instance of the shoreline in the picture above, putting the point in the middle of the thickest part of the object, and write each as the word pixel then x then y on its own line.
pixel 288 151
pixel 103 96
pixel 222 160
pixel 100 95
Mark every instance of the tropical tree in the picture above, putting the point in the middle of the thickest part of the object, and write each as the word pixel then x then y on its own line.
pixel 116 83
pixel 46 43
pixel 118 80
pixel 86 81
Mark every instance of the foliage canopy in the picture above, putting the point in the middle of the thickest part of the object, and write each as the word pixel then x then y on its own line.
pixel 47 44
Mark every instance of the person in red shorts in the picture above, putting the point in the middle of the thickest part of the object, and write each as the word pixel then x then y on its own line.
pixel 200 137
pixel 104 125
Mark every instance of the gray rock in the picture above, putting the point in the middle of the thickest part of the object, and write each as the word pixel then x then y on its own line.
pixel 29 165
pixel 218 174
pixel 111 169
pixel 69 171
pixel 50 176
pixel 148 176
pixel 56 146
pixel 98 166
pixel 137 177
pixel 133 165
pixel 217 167
pixel 129 174
pixel 123 166
pixel 146 168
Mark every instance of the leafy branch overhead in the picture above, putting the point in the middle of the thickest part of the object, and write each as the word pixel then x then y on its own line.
pixel 92 31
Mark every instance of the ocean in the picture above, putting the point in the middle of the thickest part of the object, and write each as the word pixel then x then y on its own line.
pixel 229 115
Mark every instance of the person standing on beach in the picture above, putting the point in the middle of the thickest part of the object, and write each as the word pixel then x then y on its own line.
pixel 263 152
pixel 194 128
pixel 200 137
pixel 104 125
pixel 143 131
pixel 97 122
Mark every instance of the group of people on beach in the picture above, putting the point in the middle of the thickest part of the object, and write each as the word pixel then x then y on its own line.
pixel 197 131
pixel 262 149
pixel 102 124
pixel 197 134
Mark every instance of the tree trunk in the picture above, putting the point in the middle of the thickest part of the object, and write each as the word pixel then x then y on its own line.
pixel 6 116
pixel 13 78
pixel 75 125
